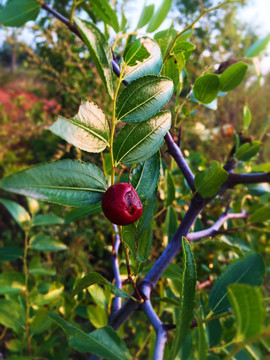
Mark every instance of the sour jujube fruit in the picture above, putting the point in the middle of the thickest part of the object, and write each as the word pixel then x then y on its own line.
pixel 121 204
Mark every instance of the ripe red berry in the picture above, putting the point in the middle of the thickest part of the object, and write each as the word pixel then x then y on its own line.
pixel 121 204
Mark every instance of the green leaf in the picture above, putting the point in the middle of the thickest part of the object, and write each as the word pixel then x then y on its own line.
pixel 170 188
pixel 165 39
pixel 233 76
pixel 159 16
pixel 99 50
pixel 88 129
pixel 147 215
pixel 246 151
pixel 136 143
pixel 43 242
pixel 172 68
pixel 78 213
pixel 171 223
pixel 96 278
pixel 201 342
pixel 65 182
pixel 181 46
pixel 40 322
pixel 129 237
pixel 247 306
pixel 256 48
pixel 143 98
pixel 47 220
pixel 20 215
pixel 146 15
pixel 36 268
pixel 97 315
pixel 209 181
pixel 247 117
pixel 55 290
pixel 123 21
pixel 10 253
pixel 213 332
pixel 249 270
pixel 260 215
pixel 206 88
pixel 105 13
pixel 141 57
pixel 261 167
pixel 186 307
pixel 11 283
pixel 15 322
pixel 145 240
pixel 103 342
pixel 18 12
pixel 145 177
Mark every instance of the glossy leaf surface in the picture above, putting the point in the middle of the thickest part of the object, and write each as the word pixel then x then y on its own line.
pixel 145 177
pixel 18 12
pixel 159 16
pixel 247 306
pixel 249 270
pixel 88 130
pixel 65 182
pixel 233 76
pixel 186 307
pixel 19 214
pixel 143 98
pixel 103 342
pixel 208 182
pixel 136 143
pixel 99 50
pixel 206 88
pixel 142 57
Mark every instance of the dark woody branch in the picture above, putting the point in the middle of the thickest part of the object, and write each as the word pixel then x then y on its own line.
pixel 252 178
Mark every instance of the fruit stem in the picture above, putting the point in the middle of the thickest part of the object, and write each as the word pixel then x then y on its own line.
pixel 128 267
pixel 114 123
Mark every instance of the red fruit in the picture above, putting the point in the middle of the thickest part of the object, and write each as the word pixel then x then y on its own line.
pixel 121 204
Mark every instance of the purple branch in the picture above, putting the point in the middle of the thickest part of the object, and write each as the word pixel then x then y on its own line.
pixel 164 260
pixel 176 153
pixel 214 229
pixel 158 326
pixel 118 282
pixel 64 20
pixel 175 244
pixel 253 178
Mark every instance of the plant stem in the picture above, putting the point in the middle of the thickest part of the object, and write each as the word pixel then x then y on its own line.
pixel 128 267
pixel 118 283
pixel 113 123
pixel 26 275
pixel 74 5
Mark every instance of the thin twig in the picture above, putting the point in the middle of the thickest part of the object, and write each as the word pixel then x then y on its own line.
pixel 212 231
